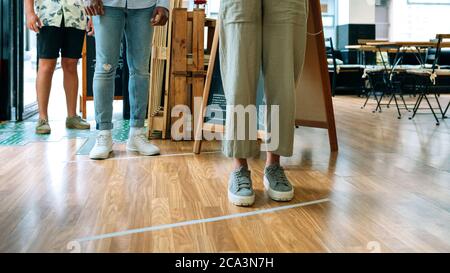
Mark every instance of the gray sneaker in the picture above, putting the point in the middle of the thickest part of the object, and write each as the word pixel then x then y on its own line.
pixel 240 190
pixel 78 123
pixel 42 127
pixel 277 185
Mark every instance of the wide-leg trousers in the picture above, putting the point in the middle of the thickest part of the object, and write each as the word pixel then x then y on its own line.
pixel 267 35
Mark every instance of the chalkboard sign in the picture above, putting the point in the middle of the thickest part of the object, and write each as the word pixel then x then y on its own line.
pixel 217 96
pixel 122 75
pixel 217 101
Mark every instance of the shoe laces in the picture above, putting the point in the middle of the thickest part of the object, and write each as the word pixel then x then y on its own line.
pixel 102 140
pixel 43 122
pixel 242 178
pixel 278 174
pixel 141 137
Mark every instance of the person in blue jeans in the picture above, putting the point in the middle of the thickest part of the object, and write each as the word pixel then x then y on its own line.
pixel 113 18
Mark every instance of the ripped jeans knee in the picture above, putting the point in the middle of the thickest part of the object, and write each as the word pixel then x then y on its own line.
pixel 105 71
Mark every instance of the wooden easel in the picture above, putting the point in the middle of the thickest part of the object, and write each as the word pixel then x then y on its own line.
pixel 314 101
pixel 180 48
pixel 161 56
pixel 83 96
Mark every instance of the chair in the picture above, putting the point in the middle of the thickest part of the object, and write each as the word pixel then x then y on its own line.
pixel 336 66
pixel 428 78
pixel 332 68
pixel 384 83
pixel 398 77
pixel 377 85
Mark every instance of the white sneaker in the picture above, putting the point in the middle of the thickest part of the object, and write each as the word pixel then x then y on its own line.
pixel 103 145
pixel 138 142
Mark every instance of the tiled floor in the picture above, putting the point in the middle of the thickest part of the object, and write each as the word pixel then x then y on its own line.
pixel 22 133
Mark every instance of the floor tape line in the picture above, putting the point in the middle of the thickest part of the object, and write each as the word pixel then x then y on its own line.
pixel 199 221
pixel 140 157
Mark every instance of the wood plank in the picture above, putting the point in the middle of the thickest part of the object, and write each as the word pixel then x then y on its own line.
pixel 408 44
pixel 200 121
pixel 178 92
pixel 326 88
pixel 198 56
pixel 156 92
pixel 83 97
pixel 173 4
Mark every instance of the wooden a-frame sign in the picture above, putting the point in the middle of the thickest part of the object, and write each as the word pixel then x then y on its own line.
pixel 314 105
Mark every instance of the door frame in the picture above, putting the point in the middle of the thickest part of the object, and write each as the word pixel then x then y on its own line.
pixel 17 48
pixel 12 63
pixel 5 60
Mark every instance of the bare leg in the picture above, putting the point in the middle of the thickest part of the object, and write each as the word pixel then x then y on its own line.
pixel 44 85
pixel 240 162
pixel 272 159
pixel 69 67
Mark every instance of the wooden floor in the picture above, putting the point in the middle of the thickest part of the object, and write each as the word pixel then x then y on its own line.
pixel 389 189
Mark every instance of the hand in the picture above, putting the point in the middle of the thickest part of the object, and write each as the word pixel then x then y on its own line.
pixel 90 27
pixel 33 22
pixel 93 7
pixel 160 16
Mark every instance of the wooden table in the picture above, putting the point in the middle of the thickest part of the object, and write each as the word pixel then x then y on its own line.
pixel 406 46
pixel 420 44
pixel 400 47
pixel 362 49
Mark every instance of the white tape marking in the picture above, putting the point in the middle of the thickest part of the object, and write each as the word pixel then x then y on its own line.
pixel 140 157
pixel 199 221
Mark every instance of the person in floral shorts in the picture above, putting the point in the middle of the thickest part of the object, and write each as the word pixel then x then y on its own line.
pixel 61 27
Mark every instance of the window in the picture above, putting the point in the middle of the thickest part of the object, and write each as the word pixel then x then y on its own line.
pixel 329 12
pixel 418 20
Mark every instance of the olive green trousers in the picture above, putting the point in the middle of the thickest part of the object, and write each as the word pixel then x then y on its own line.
pixel 255 35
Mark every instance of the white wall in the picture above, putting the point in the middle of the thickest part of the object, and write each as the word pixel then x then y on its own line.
pixel 343 11
pixel 356 12
pixel 417 22
pixel 213 7
pixel 362 12
pixel 382 22
pixel 187 4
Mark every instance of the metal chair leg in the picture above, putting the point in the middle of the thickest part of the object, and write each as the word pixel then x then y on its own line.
pixel 333 87
pixel 417 106
pixel 398 108
pixel 367 99
pixel 432 110
pixel 378 103
pixel 446 109
pixel 404 103
pixel 439 104
pixel 390 101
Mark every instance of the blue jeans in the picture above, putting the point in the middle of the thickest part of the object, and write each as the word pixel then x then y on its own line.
pixel 109 30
